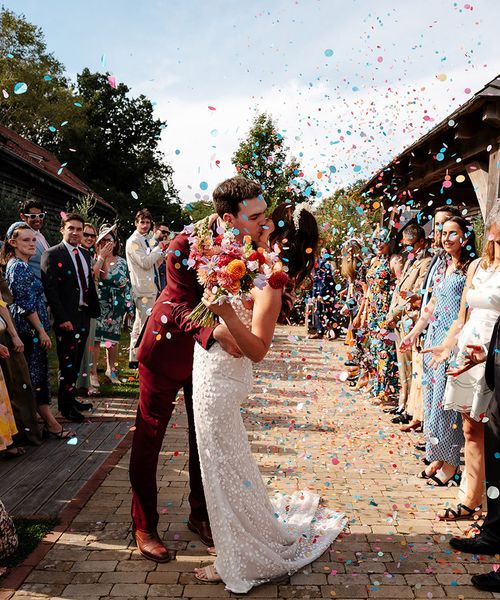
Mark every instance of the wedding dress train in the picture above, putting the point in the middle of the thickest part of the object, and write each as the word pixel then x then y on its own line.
pixel 257 538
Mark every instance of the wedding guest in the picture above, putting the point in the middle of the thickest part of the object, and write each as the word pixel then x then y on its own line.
pixel 468 392
pixel 323 294
pixel 487 541
pixel 72 297
pixel 384 271
pixel 16 374
pixel 161 235
pixel 115 298
pixel 29 311
pixel 438 262
pixel 8 427
pixel 443 429
pixel 84 377
pixel 143 259
pixel 33 214
pixel 404 309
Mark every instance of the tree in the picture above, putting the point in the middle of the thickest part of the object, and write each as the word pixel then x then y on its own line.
pixel 262 156
pixel 117 150
pixel 44 109
pixel 195 211
pixel 345 214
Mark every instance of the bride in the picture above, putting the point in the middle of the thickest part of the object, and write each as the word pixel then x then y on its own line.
pixel 256 539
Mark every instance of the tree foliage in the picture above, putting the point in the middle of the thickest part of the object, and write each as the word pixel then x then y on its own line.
pixel 263 157
pixel 195 211
pixel 49 101
pixel 107 137
pixel 344 214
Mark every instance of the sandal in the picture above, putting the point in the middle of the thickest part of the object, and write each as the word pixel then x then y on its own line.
pixel 62 434
pixel 412 425
pixel 13 452
pixel 462 512
pixel 211 575
pixel 212 551
pixel 424 475
pixel 454 480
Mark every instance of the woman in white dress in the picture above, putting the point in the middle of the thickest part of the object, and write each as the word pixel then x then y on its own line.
pixel 256 540
pixel 467 391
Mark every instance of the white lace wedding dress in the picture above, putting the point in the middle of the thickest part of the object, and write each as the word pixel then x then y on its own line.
pixel 257 539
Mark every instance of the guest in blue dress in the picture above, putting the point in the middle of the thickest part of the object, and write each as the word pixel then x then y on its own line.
pixel 29 311
pixel 443 429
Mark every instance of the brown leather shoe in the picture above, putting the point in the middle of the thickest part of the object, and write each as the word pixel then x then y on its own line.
pixel 151 547
pixel 202 529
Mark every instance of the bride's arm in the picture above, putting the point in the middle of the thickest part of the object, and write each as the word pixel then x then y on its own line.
pixel 267 306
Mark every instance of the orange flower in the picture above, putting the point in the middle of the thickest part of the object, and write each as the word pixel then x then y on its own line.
pixel 228 282
pixel 236 268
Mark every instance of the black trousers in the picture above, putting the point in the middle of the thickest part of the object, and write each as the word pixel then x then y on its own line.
pixel 490 530
pixel 70 349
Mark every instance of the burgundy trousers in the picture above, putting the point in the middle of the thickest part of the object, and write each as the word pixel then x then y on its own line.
pixel 157 394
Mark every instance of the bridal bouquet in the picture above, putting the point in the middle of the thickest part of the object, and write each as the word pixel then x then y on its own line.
pixel 228 268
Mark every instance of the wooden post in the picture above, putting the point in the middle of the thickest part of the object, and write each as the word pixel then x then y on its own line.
pixel 493 180
pixel 478 174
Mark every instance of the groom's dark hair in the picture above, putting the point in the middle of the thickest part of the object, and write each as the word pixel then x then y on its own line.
pixel 228 194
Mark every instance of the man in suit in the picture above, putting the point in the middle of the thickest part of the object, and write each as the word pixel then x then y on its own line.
pixel 165 356
pixel 143 259
pixel 488 540
pixel 72 297
pixel 161 236
pixel 32 214
pixel 405 304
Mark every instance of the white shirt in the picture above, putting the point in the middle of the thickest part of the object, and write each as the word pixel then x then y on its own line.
pixel 71 249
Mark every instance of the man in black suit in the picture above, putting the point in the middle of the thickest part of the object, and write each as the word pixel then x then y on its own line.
pixel 488 540
pixel 71 294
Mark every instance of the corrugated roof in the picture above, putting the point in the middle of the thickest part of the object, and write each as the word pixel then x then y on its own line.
pixel 43 160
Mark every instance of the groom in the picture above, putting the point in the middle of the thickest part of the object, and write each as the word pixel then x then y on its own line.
pixel 165 356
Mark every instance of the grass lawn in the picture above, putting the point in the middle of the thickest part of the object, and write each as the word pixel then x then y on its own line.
pixel 30 532
pixel 130 382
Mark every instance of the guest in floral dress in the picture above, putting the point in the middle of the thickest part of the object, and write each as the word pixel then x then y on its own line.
pixel 115 297
pixel 381 277
pixel 29 312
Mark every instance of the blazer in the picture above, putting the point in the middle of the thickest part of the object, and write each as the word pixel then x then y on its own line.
pixel 411 282
pixel 167 340
pixel 61 285
pixel 493 359
pixel 141 265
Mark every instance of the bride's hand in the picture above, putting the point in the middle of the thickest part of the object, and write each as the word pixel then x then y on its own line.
pixel 221 308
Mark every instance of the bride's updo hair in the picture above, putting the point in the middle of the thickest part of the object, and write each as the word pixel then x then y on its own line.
pixel 296 232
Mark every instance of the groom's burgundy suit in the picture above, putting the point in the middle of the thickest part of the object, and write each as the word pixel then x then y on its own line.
pixel 165 357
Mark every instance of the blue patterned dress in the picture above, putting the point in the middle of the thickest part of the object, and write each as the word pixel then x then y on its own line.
pixel 444 436
pixel 27 291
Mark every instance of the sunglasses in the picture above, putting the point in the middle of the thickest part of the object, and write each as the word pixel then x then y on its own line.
pixel 36 216
pixel 164 232
pixel 89 235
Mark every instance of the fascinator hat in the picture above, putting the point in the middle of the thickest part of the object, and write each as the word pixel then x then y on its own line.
pixel 16 225
pixel 105 230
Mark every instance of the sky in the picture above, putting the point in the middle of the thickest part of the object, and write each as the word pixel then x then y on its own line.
pixel 349 83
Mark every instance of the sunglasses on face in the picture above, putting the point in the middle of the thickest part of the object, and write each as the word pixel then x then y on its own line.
pixel 163 232
pixel 36 216
pixel 89 235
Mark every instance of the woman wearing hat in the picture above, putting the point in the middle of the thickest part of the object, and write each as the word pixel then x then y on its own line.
pixel 115 298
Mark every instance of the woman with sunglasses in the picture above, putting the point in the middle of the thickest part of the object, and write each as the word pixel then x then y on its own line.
pixel 85 379
pixel 32 214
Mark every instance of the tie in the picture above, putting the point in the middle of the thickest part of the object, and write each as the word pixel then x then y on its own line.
pixel 81 277
pixel 157 276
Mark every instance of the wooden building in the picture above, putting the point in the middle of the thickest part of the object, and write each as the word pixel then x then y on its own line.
pixel 28 171
pixel 458 162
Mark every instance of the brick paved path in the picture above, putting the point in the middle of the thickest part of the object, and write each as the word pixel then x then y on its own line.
pixel 306 431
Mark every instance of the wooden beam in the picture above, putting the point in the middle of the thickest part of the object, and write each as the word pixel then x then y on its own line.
pixel 491 114
pixel 478 174
pixel 493 179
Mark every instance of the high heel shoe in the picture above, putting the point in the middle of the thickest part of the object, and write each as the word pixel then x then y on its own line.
pixel 113 377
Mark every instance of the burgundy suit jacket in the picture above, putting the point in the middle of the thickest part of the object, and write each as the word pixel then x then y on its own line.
pixel 167 342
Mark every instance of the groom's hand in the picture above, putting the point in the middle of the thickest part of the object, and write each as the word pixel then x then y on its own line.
pixel 222 335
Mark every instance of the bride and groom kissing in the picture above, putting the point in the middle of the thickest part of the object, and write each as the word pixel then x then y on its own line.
pixel 255 539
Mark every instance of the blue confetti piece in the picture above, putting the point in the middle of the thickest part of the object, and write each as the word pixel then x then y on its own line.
pixel 20 88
